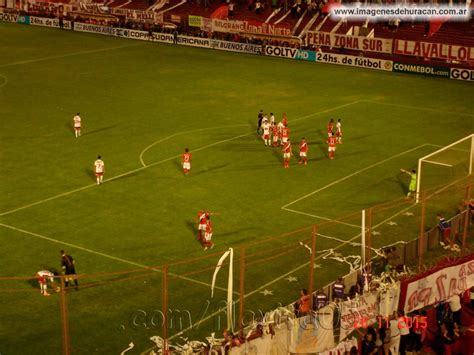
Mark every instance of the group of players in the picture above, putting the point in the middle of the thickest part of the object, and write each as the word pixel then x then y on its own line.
pixel 278 135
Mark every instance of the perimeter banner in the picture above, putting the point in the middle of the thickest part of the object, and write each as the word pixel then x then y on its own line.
pixel 421 69
pixel 462 74
pixel 234 26
pixel 359 43
pixel 433 50
pixel 288 52
pixel 439 286
pixel 359 313
pixel 361 62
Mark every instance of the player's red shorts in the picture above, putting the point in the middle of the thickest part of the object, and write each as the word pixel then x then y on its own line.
pixel 77 128
pixel 41 280
pixel 266 136
pixel 99 174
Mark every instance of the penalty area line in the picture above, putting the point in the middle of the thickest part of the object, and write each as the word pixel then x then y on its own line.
pixel 285 207
pixel 36 235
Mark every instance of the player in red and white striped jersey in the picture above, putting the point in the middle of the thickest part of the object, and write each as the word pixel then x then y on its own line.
pixel 99 169
pixel 286 154
pixel 331 145
pixel 77 125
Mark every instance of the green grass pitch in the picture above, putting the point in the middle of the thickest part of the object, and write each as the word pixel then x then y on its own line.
pixel 141 105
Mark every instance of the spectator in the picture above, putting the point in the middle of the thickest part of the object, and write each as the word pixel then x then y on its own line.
pixel 69 270
pixel 445 230
pixel 440 313
pixel 338 290
pixel 303 303
pixel 404 332
pixel 395 335
pixel 384 334
pixel 368 345
pixel 447 335
pixel 455 307
pixel 231 10
pixel 418 331
pixel 471 296
pixel 320 300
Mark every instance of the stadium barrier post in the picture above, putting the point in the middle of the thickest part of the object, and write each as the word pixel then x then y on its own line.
pixel 421 238
pixel 362 236
pixel 311 266
pixel 465 227
pixel 369 234
pixel 64 318
pixel 164 307
pixel 242 290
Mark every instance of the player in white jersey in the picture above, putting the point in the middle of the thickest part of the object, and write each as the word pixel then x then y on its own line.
pixel 266 133
pixel 43 277
pixel 339 132
pixel 77 125
pixel 99 168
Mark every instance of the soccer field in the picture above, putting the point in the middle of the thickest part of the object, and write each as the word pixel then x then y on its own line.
pixel 141 104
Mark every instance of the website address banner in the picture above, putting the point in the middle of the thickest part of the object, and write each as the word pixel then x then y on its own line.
pixel 360 43
pixel 433 50
pixel 361 62
pixel 421 69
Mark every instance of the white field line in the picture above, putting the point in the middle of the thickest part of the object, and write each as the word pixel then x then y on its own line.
pixel 180 133
pixel 323 218
pixel 419 108
pixel 106 255
pixel 5 81
pixel 437 163
pixel 162 161
pixel 351 175
pixel 278 279
pixel 29 61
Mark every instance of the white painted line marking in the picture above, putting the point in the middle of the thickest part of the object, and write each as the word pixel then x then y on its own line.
pixel 106 255
pixel 437 163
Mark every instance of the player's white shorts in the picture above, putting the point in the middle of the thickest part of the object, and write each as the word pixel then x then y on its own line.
pixel 202 227
pixel 284 139
pixel 286 155
pixel 303 154
pixel 331 149
pixel 208 237
pixel 187 166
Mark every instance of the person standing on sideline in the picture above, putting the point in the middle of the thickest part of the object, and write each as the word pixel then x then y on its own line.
pixel 412 186
pixel 77 125
pixel 69 270
pixel 175 36
pixel 99 168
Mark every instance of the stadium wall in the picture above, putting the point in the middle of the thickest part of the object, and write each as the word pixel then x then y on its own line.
pixel 269 50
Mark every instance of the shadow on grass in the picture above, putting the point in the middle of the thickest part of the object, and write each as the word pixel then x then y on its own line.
pixel 90 173
pixel 99 130
pixel 211 169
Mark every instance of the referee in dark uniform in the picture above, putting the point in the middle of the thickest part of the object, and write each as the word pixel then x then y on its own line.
pixel 67 263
